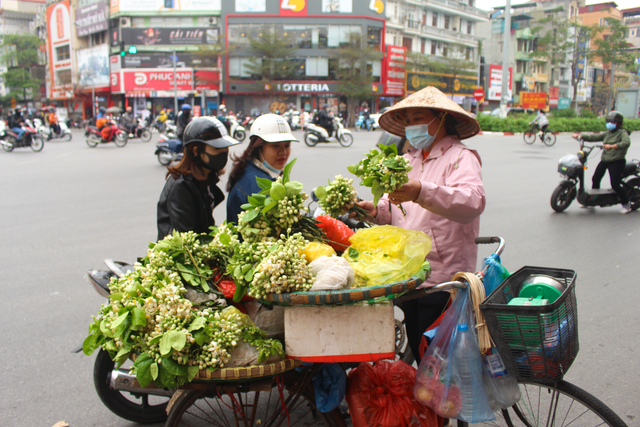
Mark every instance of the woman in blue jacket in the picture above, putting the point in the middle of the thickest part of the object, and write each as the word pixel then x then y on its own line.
pixel 266 156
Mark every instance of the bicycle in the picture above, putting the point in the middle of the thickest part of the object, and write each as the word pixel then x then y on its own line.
pixel 288 398
pixel 548 136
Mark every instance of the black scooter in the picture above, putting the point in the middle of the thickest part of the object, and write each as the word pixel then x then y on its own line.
pixel 572 167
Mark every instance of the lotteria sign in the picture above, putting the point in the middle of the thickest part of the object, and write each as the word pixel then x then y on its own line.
pixel 302 87
pixel 291 87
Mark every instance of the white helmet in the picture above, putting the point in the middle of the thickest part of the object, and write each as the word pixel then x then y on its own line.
pixel 272 128
pixel 223 108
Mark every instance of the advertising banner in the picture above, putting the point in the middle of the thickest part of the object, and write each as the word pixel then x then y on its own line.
pixel 564 103
pixel 164 60
pixel 495 82
pixel 528 83
pixel 456 86
pixel 292 87
pixel 293 7
pixel 169 36
pixel 60 82
pixel 251 5
pixel 554 94
pixel 164 5
pixel 91 19
pixel 116 82
pixel 533 100
pixel 396 61
pixel 337 6
pixel 93 66
pixel 155 80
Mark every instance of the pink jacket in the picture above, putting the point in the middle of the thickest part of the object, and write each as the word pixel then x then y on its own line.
pixel 448 208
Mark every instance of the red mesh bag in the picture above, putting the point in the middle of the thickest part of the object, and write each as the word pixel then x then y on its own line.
pixel 106 133
pixel 382 396
pixel 337 232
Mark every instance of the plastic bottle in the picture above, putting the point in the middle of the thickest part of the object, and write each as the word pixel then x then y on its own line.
pixel 502 385
pixel 468 363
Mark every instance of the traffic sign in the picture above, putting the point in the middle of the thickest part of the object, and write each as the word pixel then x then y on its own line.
pixel 478 94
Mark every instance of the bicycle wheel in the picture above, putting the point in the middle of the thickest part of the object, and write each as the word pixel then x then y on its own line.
pixel 265 402
pixel 549 138
pixel 530 136
pixel 566 405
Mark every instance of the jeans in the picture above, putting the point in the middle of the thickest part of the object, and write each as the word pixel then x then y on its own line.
pixel 19 131
pixel 615 175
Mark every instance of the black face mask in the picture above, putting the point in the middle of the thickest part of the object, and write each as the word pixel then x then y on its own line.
pixel 216 162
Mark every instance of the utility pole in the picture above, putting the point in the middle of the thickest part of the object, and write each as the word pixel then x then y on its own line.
pixel 504 99
pixel 175 88
pixel 93 85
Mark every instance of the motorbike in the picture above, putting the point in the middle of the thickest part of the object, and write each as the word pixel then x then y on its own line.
pixel 365 124
pixel 47 133
pixel 141 131
pixel 236 130
pixel 9 139
pixel 572 168
pixel 170 129
pixel 117 387
pixel 168 150
pixel 316 133
pixel 117 136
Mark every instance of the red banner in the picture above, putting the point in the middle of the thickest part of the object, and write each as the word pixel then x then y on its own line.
pixel 534 100
pixel 154 80
pixel 209 80
pixel 396 61
pixel 554 95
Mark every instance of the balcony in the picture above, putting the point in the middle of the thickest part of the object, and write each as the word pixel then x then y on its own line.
pixel 458 9
pixel 523 56
pixel 449 35
pixel 525 34
pixel 413 27
pixel 541 77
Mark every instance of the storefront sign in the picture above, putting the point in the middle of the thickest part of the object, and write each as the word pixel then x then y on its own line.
pixel 447 83
pixel 153 80
pixel 59 84
pixel 208 80
pixel 337 6
pixel 495 83
pixel 116 82
pixel 554 94
pixel 91 19
pixel 528 83
pixel 164 5
pixel 564 103
pixel 169 36
pixel 162 60
pixel 396 61
pixel 533 100
pixel 93 66
pixel 293 7
pixel 291 87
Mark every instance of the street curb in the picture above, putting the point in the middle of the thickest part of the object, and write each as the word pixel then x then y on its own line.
pixel 517 133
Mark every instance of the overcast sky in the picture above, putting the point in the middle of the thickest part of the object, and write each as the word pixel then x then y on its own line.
pixel 489 4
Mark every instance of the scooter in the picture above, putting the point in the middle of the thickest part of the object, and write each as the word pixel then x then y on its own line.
pixel 365 124
pixel 315 134
pixel 236 130
pixel 168 150
pixel 116 387
pixel 47 133
pixel 9 139
pixel 572 167
pixel 118 136
pixel 141 131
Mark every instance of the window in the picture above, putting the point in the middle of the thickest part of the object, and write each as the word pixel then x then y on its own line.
pixel 98 38
pixel 62 53
pixel 374 37
pixel 238 66
pixel 634 32
pixel 317 67
pixel 469 27
pixel 468 55
pixel 63 77
pixel 423 46
pixel 447 20
pixel 433 48
pixel 408 43
pixel 434 20
pixel 445 49
pixel 471 3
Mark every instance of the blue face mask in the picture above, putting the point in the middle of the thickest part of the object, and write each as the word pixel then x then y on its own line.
pixel 610 126
pixel 271 168
pixel 419 136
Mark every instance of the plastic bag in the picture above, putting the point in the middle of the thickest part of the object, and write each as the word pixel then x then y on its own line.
pixel 315 250
pixel 382 396
pixel 270 321
pixel 329 386
pixel 244 354
pixel 331 273
pixel 386 254
pixel 570 161
pixel 337 232
pixel 450 382
pixel 495 275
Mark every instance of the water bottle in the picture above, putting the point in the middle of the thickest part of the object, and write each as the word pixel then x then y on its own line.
pixel 502 385
pixel 468 364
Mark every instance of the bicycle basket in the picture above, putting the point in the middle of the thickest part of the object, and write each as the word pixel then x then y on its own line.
pixel 537 342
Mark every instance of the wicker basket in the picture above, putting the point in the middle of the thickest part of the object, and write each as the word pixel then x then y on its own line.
pixel 344 296
pixel 537 343
pixel 248 372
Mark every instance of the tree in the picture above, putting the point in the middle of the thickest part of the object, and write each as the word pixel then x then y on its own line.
pixel 354 77
pixel 20 54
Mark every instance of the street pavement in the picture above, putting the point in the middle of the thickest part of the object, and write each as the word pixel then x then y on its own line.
pixel 68 207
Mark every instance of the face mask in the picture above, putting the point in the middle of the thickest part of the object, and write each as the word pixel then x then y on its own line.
pixel 610 126
pixel 216 162
pixel 419 136
pixel 271 168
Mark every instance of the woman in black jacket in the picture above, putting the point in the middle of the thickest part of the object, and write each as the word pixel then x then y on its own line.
pixel 190 193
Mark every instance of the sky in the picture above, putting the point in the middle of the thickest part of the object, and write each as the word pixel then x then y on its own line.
pixel 489 4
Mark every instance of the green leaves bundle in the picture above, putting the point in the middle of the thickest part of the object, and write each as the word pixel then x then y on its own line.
pixel 339 198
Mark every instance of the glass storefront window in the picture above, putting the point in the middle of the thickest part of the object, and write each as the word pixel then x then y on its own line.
pixel 374 37
pixel 304 36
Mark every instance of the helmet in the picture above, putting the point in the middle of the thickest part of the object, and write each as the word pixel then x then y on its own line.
pixel 271 128
pixel 208 130
pixel 615 117
pixel 222 107
pixel 102 109
pixel 186 107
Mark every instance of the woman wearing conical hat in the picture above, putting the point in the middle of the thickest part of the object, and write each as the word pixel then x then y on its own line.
pixel 444 196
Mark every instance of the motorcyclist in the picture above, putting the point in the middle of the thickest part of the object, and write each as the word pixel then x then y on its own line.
pixel 102 113
pixel 367 117
pixel 616 143
pixel 15 123
pixel 190 193
pixel 183 120
pixel 128 121
pixel 162 119
pixel 542 122
pixel 325 119
pixel 223 117
pixel 53 122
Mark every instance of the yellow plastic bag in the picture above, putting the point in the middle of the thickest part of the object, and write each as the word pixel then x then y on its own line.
pixel 386 254
pixel 315 250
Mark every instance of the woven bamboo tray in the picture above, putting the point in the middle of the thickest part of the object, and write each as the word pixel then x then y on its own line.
pixel 343 296
pixel 248 372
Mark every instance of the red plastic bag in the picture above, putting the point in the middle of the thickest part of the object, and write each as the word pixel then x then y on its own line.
pixel 227 286
pixel 337 232
pixel 382 396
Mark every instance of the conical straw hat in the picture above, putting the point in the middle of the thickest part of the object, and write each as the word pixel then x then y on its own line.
pixel 430 98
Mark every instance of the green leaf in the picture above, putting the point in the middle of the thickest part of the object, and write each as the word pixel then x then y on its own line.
pixel 165 378
pixel 178 339
pixel 119 320
pixel 352 169
pixel 377 192
pixel 117 296
pixel 122 356
pixel 272 204
pixel 139 319
pixel 192 371
pixel 249 276
pixel 254 202
pixel 173 367
pixel 250 216
pixel 143 372
pixel 353 253
pixel 239 293
pixel 320 192
pixel 287 171
pixel 165 344
pixel 196 324
pixel 225 239
pixel 293 188
pixel 264 183
pixel 425 270
pixel 246 206
pixel 105 329
pixel 200 337
pixel 153 369
pixel 237 272
pixel 90 344
pixel 278 191
pixel 260 198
